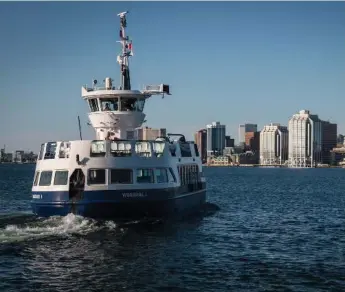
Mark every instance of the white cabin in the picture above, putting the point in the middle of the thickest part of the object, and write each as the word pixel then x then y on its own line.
pixel 175 160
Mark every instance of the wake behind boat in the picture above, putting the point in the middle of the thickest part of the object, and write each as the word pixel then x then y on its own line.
pixel 118 175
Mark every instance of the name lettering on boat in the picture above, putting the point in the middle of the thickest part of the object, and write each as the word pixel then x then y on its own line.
pixel 36 196
pixel 134 195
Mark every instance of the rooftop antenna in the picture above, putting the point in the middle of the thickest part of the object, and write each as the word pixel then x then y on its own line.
pixel 79 128
pixel 125 54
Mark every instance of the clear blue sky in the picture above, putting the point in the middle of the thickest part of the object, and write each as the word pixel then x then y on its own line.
pixel 232 62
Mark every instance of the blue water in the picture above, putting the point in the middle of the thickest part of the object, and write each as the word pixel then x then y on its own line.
pixel 275 230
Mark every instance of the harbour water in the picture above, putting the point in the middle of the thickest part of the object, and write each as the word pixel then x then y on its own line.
pixel 263 230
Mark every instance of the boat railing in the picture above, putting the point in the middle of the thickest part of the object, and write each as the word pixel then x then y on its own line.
pixel 95 88
pixel 121 148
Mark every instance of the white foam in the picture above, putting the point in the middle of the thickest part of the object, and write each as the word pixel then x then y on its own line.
pixel 67 225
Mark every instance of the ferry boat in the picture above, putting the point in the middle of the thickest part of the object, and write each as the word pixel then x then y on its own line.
pixel 118 175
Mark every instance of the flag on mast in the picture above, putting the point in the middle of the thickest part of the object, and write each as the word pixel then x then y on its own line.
pixel 130 48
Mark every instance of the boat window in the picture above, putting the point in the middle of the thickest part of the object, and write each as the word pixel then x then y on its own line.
pixel 121 176
pixel 110 104
pixel 40 156
pixel 96 176
pixel 158 148
pixel 65 148
pixel 143 149
pixel 93 105
pixel 185 149
pixel 46 178
pixel 97 149
pixel 161 175
pixel 145 176
pixel 196 150
pixel 171 175
pixel 128 104
pixel 120 148
pixel 50 150
pixel 139 104
pixel 61 178
pixel 37 174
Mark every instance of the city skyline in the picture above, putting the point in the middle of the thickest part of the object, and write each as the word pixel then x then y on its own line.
pixel 307 141
pixel 276 58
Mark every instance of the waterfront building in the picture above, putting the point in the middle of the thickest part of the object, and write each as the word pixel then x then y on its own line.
pixel 215 139
pixel 229 142
pixel 252 141
pixel 305 139
pixel 147 133
pixel 243 129
pixel 274 144
pixel 200 139
pixel 329 141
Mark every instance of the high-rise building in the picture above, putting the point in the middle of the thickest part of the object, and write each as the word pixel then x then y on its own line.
pixel 215 139
pixel 274 144
pixel 18 156
pixel 252 141
pixel 305 139
pixel 147 133
pixel 200 138
pixel 243 129
pixel 229 142
pixel 329 140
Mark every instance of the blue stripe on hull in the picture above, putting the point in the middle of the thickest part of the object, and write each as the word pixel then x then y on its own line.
pixel 113 204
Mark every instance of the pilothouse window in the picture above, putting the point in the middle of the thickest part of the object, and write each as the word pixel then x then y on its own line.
pixel 93 105
pixel 132 104
pixel 139 104
pixel 111 104
pixel 128 104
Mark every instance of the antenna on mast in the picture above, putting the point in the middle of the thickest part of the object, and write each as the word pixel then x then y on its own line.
pixel 125 54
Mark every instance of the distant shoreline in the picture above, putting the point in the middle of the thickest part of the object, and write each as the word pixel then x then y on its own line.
pixel 267 166
pixel 18 162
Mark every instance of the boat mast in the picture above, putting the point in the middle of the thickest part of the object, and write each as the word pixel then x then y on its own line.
pixel 126 53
